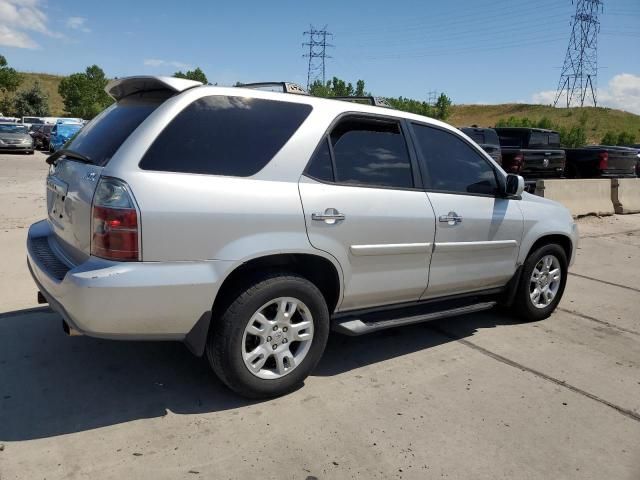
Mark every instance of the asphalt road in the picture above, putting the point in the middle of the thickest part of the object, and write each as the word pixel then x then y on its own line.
pixel 479 396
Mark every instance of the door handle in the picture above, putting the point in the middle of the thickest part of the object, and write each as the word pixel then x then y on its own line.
pixel 330 216
pixel 452 218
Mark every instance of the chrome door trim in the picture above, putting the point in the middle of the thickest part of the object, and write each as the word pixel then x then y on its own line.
pixel 468 246
pixel 390 249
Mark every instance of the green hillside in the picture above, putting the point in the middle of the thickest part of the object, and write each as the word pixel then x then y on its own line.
pixel 49 84
pixel 597 120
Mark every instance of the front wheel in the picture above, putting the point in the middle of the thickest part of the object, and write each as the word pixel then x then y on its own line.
pixel 544 276
pixel 270 337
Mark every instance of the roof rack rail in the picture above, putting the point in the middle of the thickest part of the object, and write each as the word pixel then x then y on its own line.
pixel 287 87
pixel 375 101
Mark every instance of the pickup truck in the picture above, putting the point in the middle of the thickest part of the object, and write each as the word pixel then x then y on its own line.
pixel 601 161
pixel 531 152
pixel 487 138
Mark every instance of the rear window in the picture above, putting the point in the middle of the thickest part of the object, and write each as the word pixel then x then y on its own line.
pixel 512 138
pixel 486 136
pixel 551 139
pixel 100 139
pixel 13 128
pixel 221 135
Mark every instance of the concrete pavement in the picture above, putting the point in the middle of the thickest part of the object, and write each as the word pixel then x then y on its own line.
pixel 479 396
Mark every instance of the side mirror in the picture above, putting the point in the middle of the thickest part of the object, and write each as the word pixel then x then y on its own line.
pixel 514 185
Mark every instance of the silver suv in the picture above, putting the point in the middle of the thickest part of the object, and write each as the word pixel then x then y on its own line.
pixel 249 223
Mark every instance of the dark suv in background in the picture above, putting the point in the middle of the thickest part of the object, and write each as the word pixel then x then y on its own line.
pixel 531 152
pixel 487 138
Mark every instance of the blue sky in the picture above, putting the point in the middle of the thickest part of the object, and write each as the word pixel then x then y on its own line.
pixel 477 51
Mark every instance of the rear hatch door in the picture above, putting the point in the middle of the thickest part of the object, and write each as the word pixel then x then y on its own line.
pixel 71 182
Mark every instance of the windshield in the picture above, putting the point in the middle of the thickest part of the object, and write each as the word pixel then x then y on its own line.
pixel 100 139
pixel 13 129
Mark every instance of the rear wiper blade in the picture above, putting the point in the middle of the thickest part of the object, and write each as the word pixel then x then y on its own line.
pixel 51 159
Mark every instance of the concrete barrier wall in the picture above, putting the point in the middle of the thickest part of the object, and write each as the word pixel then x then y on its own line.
pixel 581 197
pixel 625 195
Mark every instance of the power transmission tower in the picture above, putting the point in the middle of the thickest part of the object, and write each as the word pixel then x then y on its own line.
pixel 317 53
pixel 580 69
pixel 432 97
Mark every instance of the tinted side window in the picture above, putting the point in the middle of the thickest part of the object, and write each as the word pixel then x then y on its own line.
pixel 371 152
pixel 320 166
pixel 452 165
pixel 220 135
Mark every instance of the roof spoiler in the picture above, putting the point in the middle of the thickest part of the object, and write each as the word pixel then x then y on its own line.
pixel 122 87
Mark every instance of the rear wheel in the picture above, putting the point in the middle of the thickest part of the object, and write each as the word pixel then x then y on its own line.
pixel 270 337
pixel 542 283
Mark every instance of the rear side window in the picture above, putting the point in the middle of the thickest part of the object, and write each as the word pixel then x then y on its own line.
pixel 452 164
pixel 320 166
pixel 100 139
pixel 371 152
pixel 220 135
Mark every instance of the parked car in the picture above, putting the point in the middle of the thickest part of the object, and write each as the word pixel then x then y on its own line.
pixel 15 137
pixel 531 152
pixel 41 135
pixel 601 161
pixel 487 138
pixel 247 224
pixel 28 121
pixel 61 133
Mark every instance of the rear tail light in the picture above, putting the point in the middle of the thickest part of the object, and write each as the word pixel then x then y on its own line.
pixel 604 161
pixel 114 222
pixel 515 166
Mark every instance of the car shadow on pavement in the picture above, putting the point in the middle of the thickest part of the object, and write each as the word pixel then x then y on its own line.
pixel 346 353
pixel 51 384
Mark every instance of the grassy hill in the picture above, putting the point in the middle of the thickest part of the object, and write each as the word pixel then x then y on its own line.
pixel 49 84
pixel 598 120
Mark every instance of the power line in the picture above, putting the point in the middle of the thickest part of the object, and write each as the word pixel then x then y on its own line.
pixel 432 97
pixel 580 70
pixel 317 53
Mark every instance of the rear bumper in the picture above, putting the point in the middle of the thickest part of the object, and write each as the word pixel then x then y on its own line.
pixel 123 300
pixel 16 148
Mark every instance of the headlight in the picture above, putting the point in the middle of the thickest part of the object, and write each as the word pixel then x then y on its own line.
pixel 1 142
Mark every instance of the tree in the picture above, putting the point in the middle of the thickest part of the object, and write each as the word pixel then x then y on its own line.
pixel 337 88
pixel 575 137
pixel 443 107
pixel 626 139
pixel 197 75
pixel 10 80
pixel 610 138
pixel 83 93
pixel 31 102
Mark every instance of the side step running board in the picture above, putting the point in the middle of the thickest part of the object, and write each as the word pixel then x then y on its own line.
pixel 354 326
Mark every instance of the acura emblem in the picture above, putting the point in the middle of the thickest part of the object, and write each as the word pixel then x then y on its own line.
pixel 545 162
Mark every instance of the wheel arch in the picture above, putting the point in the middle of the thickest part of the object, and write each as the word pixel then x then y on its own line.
pixel 555 238
pixel 323 272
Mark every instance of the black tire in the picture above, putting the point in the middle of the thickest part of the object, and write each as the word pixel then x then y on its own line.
pixel 224 343
pixel 523 305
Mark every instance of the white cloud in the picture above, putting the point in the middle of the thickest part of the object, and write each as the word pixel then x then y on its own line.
pixel 156 62
pixel 622 92
pixel 78 23
pixel 19 19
